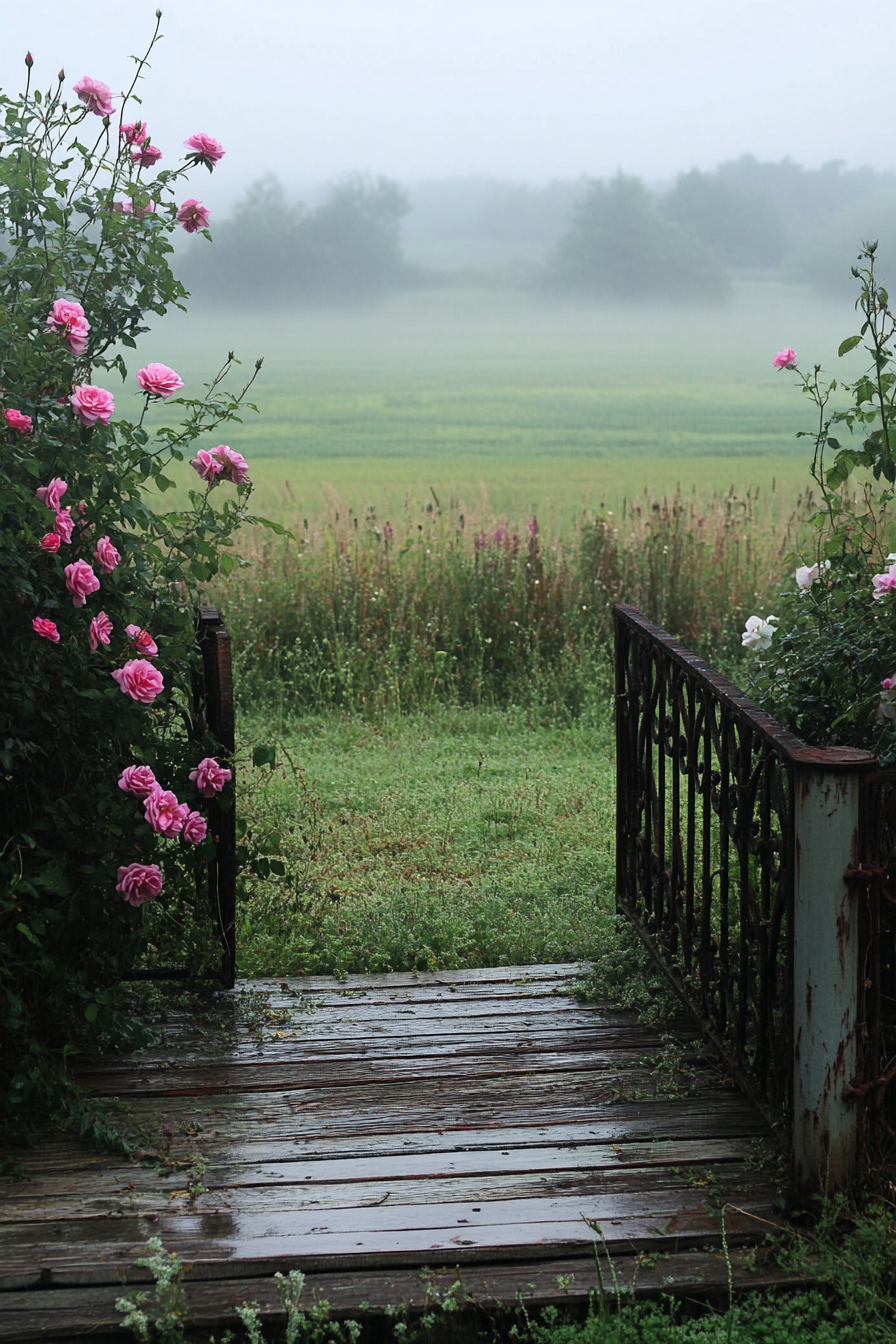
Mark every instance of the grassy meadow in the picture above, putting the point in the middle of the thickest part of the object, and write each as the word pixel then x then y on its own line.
pixel 499 399
pixel 437 676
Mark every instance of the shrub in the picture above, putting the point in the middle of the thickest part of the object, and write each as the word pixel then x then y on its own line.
pixel 98 653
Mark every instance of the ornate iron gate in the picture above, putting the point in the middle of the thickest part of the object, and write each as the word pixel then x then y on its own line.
pixel 748 863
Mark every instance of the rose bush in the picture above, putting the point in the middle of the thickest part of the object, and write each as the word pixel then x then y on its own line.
pixel 98 727
pixel 826 667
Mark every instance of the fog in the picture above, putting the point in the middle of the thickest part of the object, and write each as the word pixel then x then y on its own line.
pixel 521 89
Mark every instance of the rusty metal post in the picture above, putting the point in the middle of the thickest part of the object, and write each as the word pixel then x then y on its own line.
pixel 825 966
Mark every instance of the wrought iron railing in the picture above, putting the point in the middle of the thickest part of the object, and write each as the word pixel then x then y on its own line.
pixel 742 854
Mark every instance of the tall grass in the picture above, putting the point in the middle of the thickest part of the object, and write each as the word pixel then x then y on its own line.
pixel 366 615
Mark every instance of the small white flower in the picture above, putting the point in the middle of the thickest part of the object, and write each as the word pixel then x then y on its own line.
pixel 758 633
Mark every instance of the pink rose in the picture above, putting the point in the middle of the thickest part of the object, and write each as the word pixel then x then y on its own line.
pixel 164 813
pixel 134 132
pixel 63 525
pixel 209 467
pixel 140 680
pixel 51 494
pixel 209 777
pixel 100 630
pixel 884 583
pixel 66 317
pixel 138 780
pixel 785 359
pixel 77 335
pixel 51 543
pixel 195 828
pixel 19 422
pixel 887 707
pixel 95 95
pixel 234 466
pixel 80 580
pixel 46 629
pixel 139 882
pixel 91 404
pixel 193 216
pixel 146 155
pixel 157 380
pixel 204 149
pixel 106 555
pixel 127 207
pixel 142 640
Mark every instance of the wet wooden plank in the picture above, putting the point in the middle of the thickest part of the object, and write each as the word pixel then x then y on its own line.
pixel 231 1246
pixel 288 1044
pixel 35 1315
pixel 715 1179
pixel 477 975
pixel 620 1071
pixel 134 1179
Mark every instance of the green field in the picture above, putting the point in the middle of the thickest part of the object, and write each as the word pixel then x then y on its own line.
pixel 503 403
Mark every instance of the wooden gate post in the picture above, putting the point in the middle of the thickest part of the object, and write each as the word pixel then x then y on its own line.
pixel 825 965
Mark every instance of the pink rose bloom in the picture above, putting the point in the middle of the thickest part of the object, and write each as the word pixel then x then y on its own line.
pixel 884 583
pixel 139 882
pixel 66 317
pixel 887 707
pixel 95 95
pixel 234 466
pixel 204 149
pixel 51 542
pixel 91 404
pixel 209 467
pixel 100 630
pixel 106 555
pixel 138 780
pixel 127 207
pixel 140 680
pixel 146 155
pixel 19 422
pixel 195 828
pixel 51 494
pixel 46 629
pixel 209 777
pixel 77 335
pixel 164 813
pixel 193 216
pixel 63 525
pixel 134 132
pixel 142 640
pixel 80 580
pixel 785 359
pixel 159 381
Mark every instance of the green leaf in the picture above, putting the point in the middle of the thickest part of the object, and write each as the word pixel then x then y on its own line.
pixel 91 1011
pixel 849 344
pixel 26 932
pixel 264 755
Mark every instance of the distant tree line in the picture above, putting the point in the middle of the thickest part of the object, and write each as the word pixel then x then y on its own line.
pixel 611 239
pixel 349 247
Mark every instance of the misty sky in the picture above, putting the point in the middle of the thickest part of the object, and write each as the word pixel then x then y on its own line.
pixel 528 89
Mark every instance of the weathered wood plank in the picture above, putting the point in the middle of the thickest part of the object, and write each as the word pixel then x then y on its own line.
pixel 616 1068
pixel 479 975
pixel 224 1245
pixel 716 1180
pixel 134 1179
pixel 35 1315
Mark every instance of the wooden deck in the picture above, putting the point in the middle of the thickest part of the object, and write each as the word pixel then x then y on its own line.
pixel 484 1124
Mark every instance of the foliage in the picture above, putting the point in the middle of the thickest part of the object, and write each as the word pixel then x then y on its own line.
pixel 272 250
pixel 67 730
pixel 823 258
pixel 743 227
pixel 361 616
pixel 620 245
pixel 835 642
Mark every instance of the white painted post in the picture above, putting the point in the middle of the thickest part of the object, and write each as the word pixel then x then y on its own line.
pixel 825 966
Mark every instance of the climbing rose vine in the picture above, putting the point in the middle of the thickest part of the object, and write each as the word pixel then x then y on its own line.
pixel 105 770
